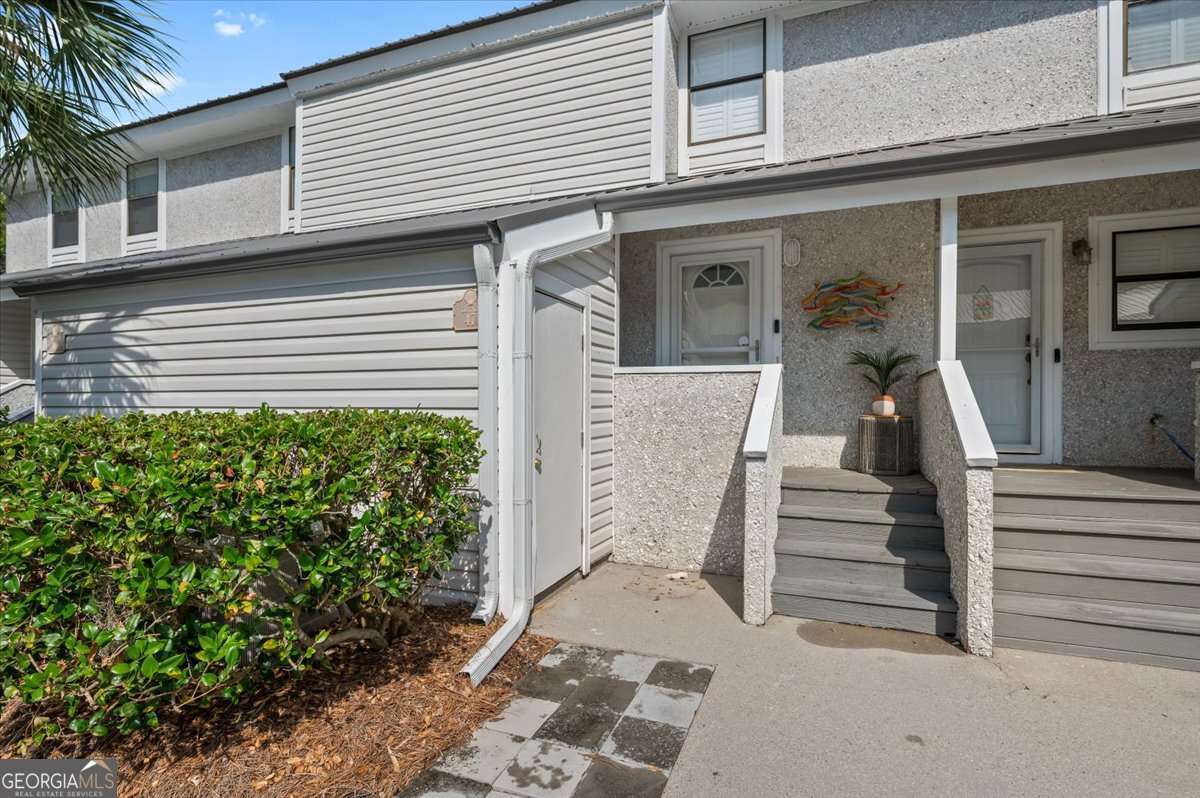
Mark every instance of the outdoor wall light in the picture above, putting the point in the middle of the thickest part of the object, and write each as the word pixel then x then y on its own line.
pixel 1081 250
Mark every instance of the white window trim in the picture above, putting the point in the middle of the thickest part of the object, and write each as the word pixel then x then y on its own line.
pixel 1116 91
pixel 1050 237
pixel 159 236
pixel 287 216
pixel 770 141
pixel 61 256
pixel 1100 332
pixel 771 243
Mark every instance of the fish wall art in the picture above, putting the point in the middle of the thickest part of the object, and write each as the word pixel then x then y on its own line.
pixel 857 302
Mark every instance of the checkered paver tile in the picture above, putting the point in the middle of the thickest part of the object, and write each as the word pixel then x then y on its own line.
pixel 587 722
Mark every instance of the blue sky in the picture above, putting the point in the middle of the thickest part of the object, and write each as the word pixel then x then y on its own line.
pixel 227 47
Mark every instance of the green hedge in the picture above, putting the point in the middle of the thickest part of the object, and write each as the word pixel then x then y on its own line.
pixel 149 563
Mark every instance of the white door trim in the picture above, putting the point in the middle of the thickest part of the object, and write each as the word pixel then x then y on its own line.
pixel 1050 236
pixel 771 244
pixel 551 286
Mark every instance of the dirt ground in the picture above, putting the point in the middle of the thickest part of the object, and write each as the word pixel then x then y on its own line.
pixel 365 726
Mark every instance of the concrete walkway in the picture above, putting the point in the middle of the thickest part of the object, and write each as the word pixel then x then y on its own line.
pixel 811 708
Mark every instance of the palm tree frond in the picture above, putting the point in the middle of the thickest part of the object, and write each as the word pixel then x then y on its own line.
pixel 882 369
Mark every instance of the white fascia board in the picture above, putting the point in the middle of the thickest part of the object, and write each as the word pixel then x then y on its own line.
pixel 462 43
pixel 257 116
pixel 1034 174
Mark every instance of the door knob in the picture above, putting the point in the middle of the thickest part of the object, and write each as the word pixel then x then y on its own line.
pixel 537 463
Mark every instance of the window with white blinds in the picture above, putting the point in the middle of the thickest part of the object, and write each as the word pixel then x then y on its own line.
pixel 1156 279
pixel 1161 33
pixel 725 81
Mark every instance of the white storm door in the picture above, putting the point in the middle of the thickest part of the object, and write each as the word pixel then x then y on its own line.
pixel 716 308
pixel 1000 340
pixel 558 424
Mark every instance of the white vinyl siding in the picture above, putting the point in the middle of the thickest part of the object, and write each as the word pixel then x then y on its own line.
pixel 559 115
pixel 16 341
pixel 375 332
pixel 593 271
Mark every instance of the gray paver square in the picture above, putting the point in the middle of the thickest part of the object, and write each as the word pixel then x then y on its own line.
pixel 436 784
pixel 664 705
pixel 632 667
pixel 645 742
pixel 579 725
pixel 600 691
pixel 680 676
pixel 543 769
pixel 579 661
pixel 609 779
pixel 523 716
pixel 548 684
pixel 482 758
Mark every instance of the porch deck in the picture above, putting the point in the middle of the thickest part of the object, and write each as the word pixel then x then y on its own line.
pixel 1127 483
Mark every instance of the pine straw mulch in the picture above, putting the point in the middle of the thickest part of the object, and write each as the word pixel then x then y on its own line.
pixel 365 726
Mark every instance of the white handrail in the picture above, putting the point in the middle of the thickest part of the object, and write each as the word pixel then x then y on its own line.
pixel 762 412
pixel 968 421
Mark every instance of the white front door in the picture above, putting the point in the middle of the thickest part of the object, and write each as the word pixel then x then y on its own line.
pixel 999 340
pixel 716 315
pixel 558 412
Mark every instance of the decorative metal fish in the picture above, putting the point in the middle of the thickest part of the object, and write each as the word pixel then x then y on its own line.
pixel 859 302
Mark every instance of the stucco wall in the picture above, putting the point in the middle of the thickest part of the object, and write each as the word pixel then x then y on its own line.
pixel 965 505
pixel 679 476
pixel 224 194
pixel 822 396
pixel 103 229
pixel 764 493
pixel 25 244
pixel 883 73
pixel 1108 395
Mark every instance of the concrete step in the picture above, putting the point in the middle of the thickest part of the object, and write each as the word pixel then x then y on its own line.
pixel 870 564
pixel 860 526
pixel 1163 540
pixel 1124 630
pixel 1098 576
pixel 928 612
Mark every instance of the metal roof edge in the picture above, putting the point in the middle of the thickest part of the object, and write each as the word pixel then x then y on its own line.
pixel 259 253
pixel 766 180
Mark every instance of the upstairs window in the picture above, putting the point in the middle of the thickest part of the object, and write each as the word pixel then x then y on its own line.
pixel 1156 279
pixel 1161 33
pixel 141 197
pixel 725 82
pixel 65 221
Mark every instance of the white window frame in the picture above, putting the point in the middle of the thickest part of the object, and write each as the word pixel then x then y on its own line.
pixel 60 256
pixel 769 242
pixel 1151 88
pixel 287 215
pixel 1101 335
pixel 145 242
pixel 757 148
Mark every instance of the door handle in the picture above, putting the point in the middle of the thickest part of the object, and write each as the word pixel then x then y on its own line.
pixel 537 457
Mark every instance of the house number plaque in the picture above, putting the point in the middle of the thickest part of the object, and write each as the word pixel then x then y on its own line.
pixel 466 312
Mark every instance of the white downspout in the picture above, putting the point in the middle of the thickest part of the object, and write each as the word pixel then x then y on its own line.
pixel 516 452
pixel 489 480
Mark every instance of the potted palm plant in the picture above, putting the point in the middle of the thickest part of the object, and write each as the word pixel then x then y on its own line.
pixel 882 371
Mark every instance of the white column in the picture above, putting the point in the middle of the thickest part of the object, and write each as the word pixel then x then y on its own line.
pixel 947 279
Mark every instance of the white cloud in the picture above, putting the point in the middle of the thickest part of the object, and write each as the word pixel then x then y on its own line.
pixel 162 84
pixel 230 23
pixel 228 28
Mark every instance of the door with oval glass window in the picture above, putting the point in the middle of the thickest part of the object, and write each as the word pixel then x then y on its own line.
pixel 716 312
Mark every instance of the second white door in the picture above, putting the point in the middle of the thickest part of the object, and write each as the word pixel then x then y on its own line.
pixel 558 408
pixel 999 340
